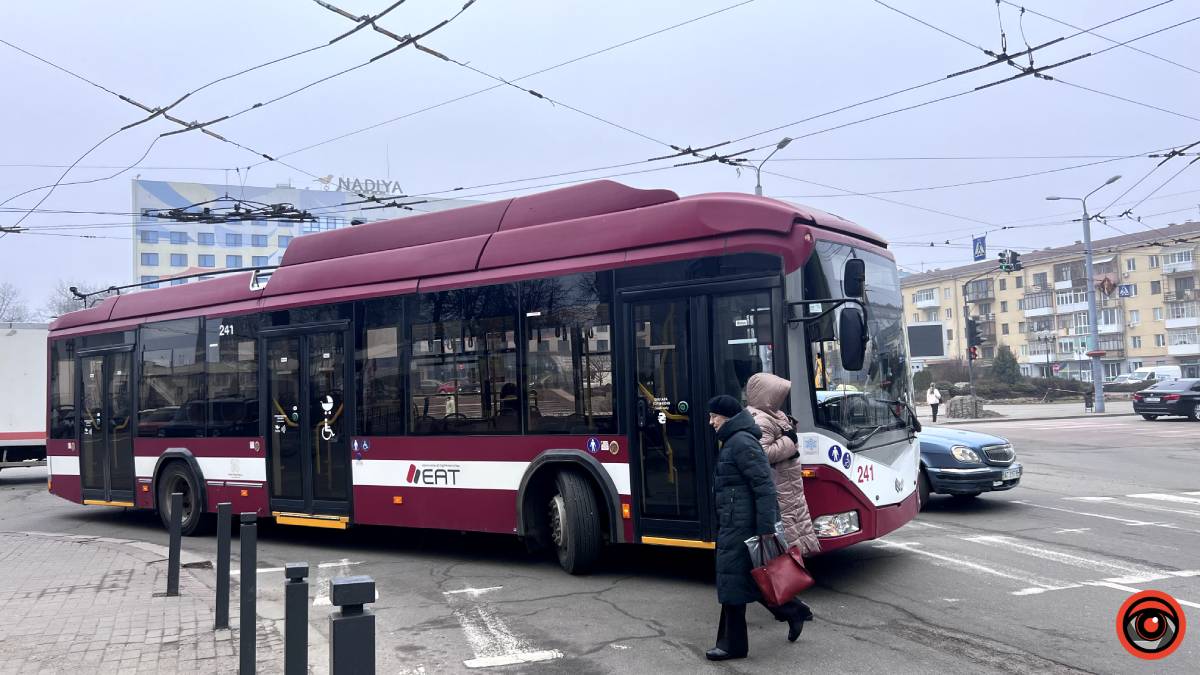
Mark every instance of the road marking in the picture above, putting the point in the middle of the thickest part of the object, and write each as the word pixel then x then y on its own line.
pixel 922 523
pixel 1126 521
pixel 1130 589
pixel 1013 575
pixel 1094 564
pixel 1137 505
pixel 324 565
pixel 1158 496
pixel 474 592
pixel 1192 493
pixel 491 640
pixel 1076 530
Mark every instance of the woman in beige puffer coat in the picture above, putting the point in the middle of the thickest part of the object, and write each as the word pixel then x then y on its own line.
pixel 764 394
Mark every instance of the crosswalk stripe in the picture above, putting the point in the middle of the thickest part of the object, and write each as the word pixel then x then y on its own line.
pixel 980 568
pixel 1136 505
pixel 1162 497
pixel 1104 566
pixel 1126 521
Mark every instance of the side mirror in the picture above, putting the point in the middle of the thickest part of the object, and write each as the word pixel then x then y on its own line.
pixel 854 278
pixel 852 338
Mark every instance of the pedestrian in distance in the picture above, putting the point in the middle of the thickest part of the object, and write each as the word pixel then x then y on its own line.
pixel 765 393
pixel 747 507
pixel 934 398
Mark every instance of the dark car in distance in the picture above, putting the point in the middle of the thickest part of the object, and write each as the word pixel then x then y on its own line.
pixel 1172 397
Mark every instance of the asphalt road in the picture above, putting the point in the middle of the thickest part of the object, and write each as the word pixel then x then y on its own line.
pixel 1022 581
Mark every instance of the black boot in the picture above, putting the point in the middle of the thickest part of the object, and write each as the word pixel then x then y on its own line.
pixel 799 615
pixel 718 654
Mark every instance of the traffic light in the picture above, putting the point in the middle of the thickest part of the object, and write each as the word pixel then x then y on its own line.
pixel 974 333
pixel 1010 261
pixel 972 353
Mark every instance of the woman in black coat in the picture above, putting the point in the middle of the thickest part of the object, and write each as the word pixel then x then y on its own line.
pixel 746 507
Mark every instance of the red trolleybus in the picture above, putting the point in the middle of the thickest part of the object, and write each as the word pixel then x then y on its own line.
pixel 536 366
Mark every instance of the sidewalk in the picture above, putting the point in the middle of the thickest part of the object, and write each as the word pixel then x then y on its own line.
pixel 84 604
pixel 1016 412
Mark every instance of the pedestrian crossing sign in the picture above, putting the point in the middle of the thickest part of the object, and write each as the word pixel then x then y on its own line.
pixel 979 247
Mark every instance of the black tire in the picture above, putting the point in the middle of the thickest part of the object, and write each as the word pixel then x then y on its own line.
pixel 575 523
pixel 922 490
pixel 1149 418
pixel 177 477
pixel 1196 412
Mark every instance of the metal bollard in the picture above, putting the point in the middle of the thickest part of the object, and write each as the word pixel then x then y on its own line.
pixel 295 618
pixel 224 525
pixel 249 582
pixel 352 630
pixel 175 527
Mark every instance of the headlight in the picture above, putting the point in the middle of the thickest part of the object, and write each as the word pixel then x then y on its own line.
pixel 964 454
pixel 836 524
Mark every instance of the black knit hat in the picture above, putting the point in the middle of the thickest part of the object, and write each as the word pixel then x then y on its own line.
pixel 724 405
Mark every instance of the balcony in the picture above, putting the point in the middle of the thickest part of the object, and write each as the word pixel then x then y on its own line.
pixel 1069 308
pixel 1184 349
pixel 1064 285
pixel 1109 328
pixel 926 302
pixel 1039 311
pixel 1179 267
pixel 1186 295
pixel 980 295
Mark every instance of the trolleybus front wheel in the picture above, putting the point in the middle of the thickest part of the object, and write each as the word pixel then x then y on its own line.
pixel 575 523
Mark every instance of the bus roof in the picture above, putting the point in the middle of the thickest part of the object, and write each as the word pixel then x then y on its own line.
pixel 589 226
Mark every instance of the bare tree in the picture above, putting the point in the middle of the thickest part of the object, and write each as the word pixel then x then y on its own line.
pixel 12 305
pixel 62 301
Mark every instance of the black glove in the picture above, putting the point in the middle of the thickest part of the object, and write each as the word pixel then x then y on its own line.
pixel 790 433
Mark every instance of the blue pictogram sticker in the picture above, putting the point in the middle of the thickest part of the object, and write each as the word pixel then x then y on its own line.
pixel 366 445
pixel 810 443
pixel 847 459
pixel 593 445
pixel 835 453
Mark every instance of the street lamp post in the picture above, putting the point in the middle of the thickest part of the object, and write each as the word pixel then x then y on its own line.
pixel 783 143
pixel 1093 337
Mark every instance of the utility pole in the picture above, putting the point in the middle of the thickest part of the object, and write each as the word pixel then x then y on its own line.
pixel 1093 338
pixel 783 143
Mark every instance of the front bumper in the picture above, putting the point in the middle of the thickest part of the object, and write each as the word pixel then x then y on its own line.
pixel 956 481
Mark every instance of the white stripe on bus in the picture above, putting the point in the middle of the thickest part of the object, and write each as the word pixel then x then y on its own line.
pixel 471 475
pixel 63 465
pixel 214 468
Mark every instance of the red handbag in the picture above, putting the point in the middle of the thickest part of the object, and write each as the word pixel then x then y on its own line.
pixel 782 577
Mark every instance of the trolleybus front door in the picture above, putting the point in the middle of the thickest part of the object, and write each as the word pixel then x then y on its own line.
pixel 105 435
pixel 687 348
pixel 308 425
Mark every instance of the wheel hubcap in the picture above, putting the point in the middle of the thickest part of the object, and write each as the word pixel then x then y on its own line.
pixel 181 486
pixel 557 515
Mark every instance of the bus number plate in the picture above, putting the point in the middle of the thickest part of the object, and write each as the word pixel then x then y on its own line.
pixel 866 472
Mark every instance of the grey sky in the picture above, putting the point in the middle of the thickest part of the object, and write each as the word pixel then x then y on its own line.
pixel 751 68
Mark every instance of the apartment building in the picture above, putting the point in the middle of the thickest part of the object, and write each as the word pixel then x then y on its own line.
pixel 1147 303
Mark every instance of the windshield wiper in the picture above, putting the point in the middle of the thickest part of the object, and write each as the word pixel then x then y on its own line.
pixel 857 442
pixel 912 422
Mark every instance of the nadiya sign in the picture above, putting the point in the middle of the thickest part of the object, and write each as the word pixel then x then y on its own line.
pixel 366 186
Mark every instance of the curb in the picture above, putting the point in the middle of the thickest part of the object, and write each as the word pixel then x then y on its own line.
pixel 993 420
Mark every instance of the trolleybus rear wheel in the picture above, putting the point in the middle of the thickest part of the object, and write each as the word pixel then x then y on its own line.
pixel 177 477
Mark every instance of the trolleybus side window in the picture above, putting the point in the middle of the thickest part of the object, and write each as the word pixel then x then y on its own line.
pixel 568 354
pixel 62 389
pixel 232 351
pixel 379 363
pixel 463 369
pixel 171 398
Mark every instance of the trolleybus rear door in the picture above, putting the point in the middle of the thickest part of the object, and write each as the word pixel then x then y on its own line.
pixel 308 423
pixel 106 435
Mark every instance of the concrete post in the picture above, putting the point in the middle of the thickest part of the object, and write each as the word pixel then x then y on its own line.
pixel 295 617
pixel 249 583
pixel 175 527
pixel 224 527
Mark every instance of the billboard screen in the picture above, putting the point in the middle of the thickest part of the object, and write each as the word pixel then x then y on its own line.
pixel 926 341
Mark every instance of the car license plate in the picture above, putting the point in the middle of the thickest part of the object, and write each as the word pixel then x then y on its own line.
pixel 1009 474
pixel 1152 399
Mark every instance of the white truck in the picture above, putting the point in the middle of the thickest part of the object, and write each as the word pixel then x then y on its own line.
pixel 22 394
